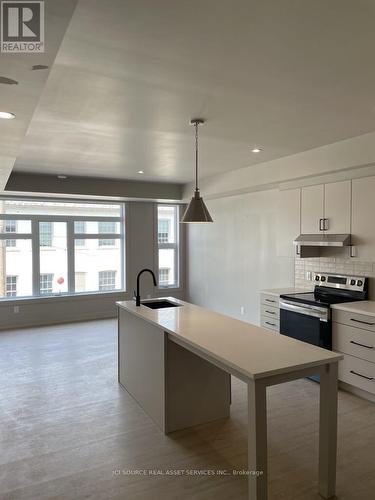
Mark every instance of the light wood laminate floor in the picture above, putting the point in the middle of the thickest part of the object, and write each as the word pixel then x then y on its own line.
pixel 66 427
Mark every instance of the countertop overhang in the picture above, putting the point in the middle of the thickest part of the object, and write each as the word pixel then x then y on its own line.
pixel 249 350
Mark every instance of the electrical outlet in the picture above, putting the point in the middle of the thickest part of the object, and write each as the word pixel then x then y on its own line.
pixel 242 310
pixel 16 309
pixel 309 275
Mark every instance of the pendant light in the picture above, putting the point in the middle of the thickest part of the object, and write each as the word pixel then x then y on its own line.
pixel 196 210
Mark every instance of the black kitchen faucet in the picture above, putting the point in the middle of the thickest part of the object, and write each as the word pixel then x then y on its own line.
pixel 137 295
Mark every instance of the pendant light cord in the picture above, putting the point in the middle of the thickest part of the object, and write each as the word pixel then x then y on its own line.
pixel 196 157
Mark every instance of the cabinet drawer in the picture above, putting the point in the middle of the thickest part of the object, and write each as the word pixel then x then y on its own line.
pixel 269 323
pixel 357 372
pixel 269 300
pixel 354 319
pixel 354 341
pixel 270 311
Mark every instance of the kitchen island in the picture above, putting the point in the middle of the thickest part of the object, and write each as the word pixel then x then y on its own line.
pixel 177 361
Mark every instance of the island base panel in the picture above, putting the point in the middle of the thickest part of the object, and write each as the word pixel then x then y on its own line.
pixel 196 391
pixel 141 364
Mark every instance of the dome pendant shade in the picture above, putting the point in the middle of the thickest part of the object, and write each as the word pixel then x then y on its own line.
pixel 196 210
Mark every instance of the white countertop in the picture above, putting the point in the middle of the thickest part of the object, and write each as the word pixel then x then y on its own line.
pixel 366 307
pixel 280 291
pixel 248 349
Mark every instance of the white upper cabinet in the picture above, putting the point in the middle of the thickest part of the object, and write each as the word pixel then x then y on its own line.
pixel 287 221
pixel 337 197
pixel 326 208
pixel 363 217
pixel 312 208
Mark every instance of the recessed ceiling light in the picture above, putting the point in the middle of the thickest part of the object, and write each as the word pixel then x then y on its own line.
pixel 256 150
pixel 61 176
pixel 7 81
pixel 7 116
pixel 36 67
pixel 140 172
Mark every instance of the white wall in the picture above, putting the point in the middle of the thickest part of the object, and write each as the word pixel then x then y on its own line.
pixel 231 259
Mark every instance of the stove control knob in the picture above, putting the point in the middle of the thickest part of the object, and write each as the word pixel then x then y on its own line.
pixel 359 283
pixel 317 278
pixel 352 282
pixel 323 278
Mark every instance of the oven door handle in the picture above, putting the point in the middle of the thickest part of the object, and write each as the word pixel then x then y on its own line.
pixel 322 314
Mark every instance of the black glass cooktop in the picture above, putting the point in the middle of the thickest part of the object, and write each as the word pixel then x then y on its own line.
pixel 318 299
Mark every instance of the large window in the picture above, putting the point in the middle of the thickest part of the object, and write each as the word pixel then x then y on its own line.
pixel 168 245
pixel 59 247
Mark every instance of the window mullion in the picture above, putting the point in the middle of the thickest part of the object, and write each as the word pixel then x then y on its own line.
pixel 35 257
pixel 70 256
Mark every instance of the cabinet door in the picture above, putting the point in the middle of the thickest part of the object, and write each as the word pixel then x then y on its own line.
pixel 287 221
pixel 311 208
pixel 363 215
pixel 337 207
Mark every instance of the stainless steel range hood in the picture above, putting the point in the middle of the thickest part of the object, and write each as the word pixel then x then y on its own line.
pixel 323 240
pixel 320 245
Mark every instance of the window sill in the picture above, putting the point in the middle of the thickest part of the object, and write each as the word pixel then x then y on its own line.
pixel 61 298
pixel 171 288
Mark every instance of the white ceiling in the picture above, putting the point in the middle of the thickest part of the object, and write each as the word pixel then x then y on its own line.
pixel 22 99
pixel 284 75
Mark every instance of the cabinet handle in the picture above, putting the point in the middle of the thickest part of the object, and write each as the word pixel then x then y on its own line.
pixel 359 375
pixel 362 322
pixel 320 224
pixel 298 251
pixel 270 312
pixel 361 345
pixel 325 224
pixel 270 300
pixel 268 323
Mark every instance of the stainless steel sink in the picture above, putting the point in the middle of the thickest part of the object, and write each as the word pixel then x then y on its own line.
pixel 159 304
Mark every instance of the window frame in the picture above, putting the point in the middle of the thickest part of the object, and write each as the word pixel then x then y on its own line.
pixel 176 246
pixel 71 236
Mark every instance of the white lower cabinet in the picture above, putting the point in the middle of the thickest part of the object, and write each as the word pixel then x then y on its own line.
pixel 358 346
pixel 269 312
pixel 357 372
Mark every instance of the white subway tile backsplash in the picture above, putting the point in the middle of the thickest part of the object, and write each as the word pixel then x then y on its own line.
pixel 333 265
